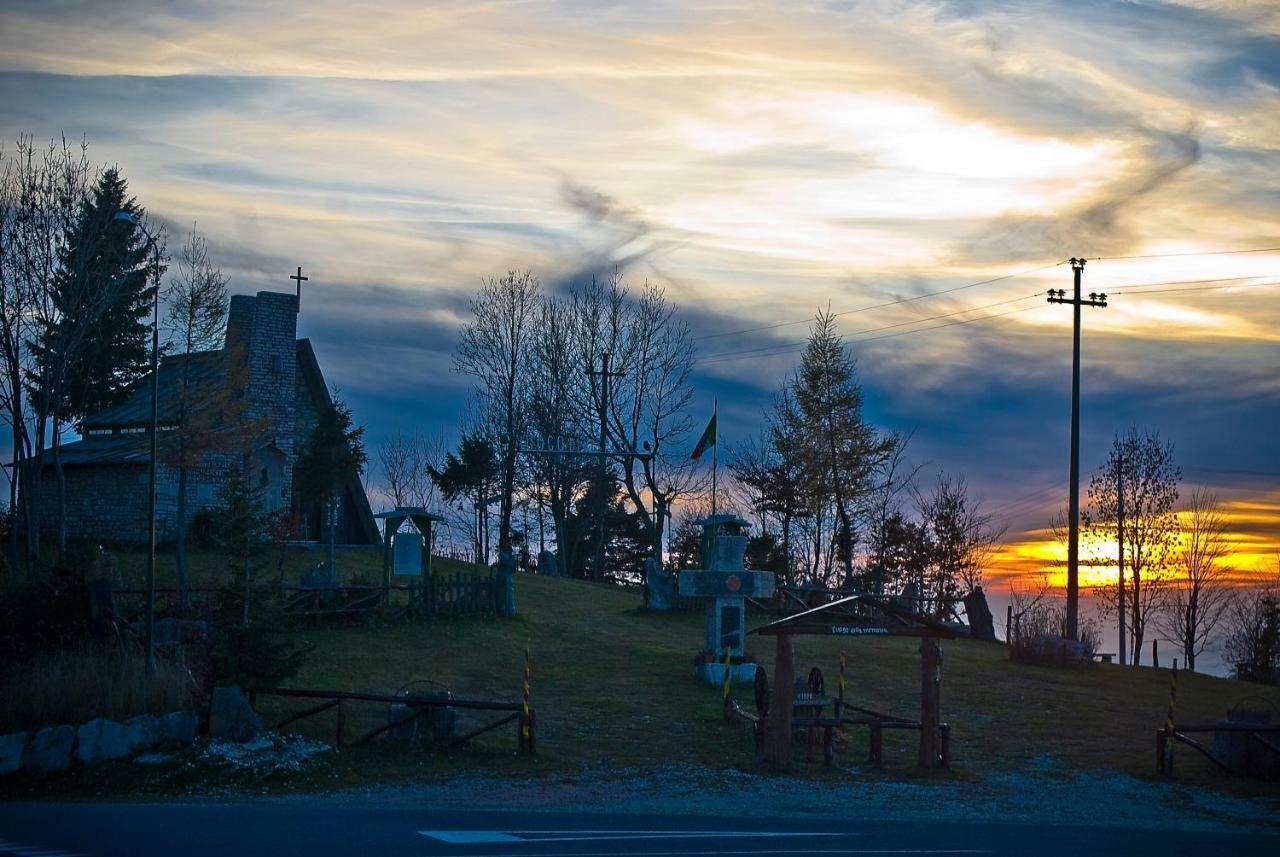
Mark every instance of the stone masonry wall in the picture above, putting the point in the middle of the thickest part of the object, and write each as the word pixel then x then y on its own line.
pixel 272 356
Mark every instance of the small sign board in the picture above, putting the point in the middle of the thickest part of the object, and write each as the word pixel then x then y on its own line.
pixel 407 550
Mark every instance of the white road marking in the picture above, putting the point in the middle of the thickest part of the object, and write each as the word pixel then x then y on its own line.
pixel 459 837
pixel 531 836
pixel 732 853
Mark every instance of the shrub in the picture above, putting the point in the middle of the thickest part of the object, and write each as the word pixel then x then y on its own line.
pixel 1037 628
pixel 256 657
pixel 49 613
pixel 76 685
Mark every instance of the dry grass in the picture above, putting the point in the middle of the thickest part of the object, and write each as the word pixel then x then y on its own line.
pixel 76 686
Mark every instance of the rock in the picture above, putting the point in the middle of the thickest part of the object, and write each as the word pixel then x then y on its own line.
pixel 547 564
pixel 1052 649
pixel 142 732
pixel 230 715
pixel 660 586
pixel 11 750
pixel 100 740
pixel 49 750
pixel 178 727
pixel 982 624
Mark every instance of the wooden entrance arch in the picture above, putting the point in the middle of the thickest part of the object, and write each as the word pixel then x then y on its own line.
pixel 856 616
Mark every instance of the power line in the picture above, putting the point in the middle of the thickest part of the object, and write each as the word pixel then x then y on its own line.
pixel 715 358
pixel 777 349
pixel 801 343
pixel 1180 255
pixel 1001 278
pixel 885 304
pixel 1133 290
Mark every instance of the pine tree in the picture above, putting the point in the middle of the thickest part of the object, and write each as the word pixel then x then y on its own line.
pixel 91 331
pixel 94 342
pixel 842 451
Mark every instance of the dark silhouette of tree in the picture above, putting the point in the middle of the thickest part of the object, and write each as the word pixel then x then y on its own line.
pixel 471 473
pixel 197 322
pixel 842 451
pixel 41 192
pixel 958 537
pixel 495 349
pixel 1252 642
pixel 334 458
pixel 91 337
pixel 1201 595
pixel 1142 467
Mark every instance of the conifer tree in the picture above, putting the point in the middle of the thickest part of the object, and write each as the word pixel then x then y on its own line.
pixel 843 452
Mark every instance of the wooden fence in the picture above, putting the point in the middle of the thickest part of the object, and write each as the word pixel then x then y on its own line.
pixel 440 595
pixel 415 706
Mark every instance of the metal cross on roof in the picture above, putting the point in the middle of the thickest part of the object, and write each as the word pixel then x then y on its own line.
pixel 299 279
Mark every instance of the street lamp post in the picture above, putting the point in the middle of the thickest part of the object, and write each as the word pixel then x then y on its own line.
pixel 150 613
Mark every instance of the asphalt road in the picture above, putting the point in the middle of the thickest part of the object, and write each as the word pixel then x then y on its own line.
pixel 322 828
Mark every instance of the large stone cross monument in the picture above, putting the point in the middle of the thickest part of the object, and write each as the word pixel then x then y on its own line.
pixel 724 577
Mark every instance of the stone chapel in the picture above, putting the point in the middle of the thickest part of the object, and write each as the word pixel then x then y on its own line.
pixel 106 470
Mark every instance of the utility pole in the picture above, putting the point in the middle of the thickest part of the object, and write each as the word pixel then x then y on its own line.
pixel 602 503
pixel 1120 544
pixel 1072 630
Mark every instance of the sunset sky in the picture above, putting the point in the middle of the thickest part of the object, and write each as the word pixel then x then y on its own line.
pixel 761 161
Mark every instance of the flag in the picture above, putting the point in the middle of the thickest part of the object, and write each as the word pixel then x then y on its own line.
pixel 708 439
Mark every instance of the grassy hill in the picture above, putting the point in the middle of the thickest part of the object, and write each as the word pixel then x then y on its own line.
pixel 613 689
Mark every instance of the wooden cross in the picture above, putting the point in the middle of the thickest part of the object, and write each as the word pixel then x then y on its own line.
pixel 300 280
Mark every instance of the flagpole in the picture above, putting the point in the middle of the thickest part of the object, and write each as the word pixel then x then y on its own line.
pixel 715 408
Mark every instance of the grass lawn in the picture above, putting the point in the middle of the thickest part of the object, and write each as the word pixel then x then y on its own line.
pixel 613 689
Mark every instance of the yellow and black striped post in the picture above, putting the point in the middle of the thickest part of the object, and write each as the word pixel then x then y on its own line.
pixel 526 713
pixel 840 697
pixel 1166 762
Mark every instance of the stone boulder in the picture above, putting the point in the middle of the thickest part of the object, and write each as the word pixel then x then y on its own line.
pixel 142 732
pixel 12 747
pixel 230 716
pixel 100 740
pixel 1052 649
pixel 982 624
pixel 178 728
pixel 49 750
pixel 660 586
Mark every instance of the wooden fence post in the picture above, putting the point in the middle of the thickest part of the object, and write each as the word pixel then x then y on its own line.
pixel 777 751
pixel 875 744
pixel 930 702
pixel 340 732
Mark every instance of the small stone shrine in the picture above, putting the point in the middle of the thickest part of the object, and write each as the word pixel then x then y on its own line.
pixel 725 578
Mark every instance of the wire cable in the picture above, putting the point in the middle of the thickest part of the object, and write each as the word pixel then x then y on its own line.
pixel 885 304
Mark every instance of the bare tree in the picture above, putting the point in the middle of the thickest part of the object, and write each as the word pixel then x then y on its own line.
pixel 555 426
pixel 1201 596
pixel 1140 472
pixel 959 538
pixel 1253 628
pixel 406 461
pixel 41 191
pixel 494 349
pixel 647 407
pixel 196 323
